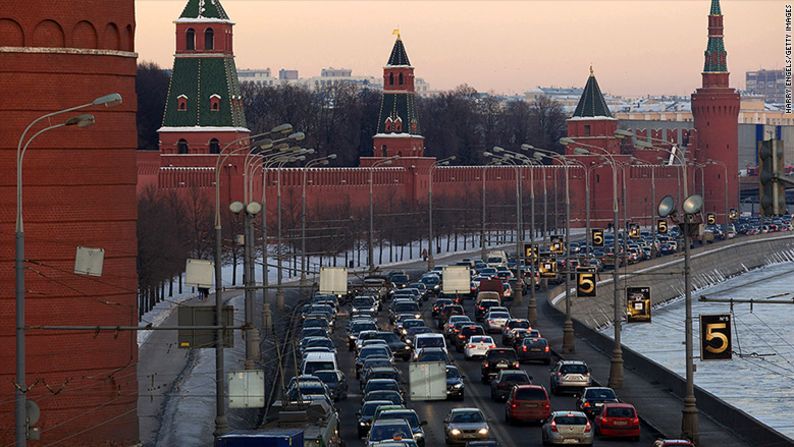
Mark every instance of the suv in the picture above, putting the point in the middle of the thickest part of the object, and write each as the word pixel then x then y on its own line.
pixel 505 381
pixel 568 374
pixel 496 360
pixel 528 403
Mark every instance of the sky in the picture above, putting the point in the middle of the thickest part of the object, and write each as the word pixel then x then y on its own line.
pixel 636 47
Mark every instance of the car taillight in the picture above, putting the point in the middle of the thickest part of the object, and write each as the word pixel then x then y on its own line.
pixel 635 421
pixel 586 404
pixel 471 346
pixel 514 405
pixel 492 347
pixel 603 420
pixel 587 427
pixel 554 426
pixel 461 336
pixel 524 348
pixel 515 364
pixel 546 349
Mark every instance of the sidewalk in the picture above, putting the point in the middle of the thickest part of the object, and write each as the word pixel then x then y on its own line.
pixel 657 406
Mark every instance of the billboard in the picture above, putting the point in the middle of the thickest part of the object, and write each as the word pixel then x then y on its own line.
pixel 199 272
pixel 638 304
pixel 333 280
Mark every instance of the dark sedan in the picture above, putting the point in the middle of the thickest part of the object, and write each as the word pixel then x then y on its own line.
pixel 593 398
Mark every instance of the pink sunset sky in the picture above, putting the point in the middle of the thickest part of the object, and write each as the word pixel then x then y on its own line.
pixel 637 47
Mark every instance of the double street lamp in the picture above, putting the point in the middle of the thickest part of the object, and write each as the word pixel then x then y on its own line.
pixel 431 246
pixel 370 249
pixel 80 122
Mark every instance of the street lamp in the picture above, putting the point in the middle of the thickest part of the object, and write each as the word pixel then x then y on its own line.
pixel 445 162
pixel 323 161
pixel 370 250
pixel 79 121
pixel 616 362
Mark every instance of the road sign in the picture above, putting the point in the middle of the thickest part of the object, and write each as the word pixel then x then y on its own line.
pixel 711 218
pixel 199 272
pixel 638 304
pixel 597 237
pixel 733 214
pixel 427 380
pixel 557 246
pixel 585 282
pixel 457 279
pixel 530 252
pixel 89 261
pixel 634 231
pixel 661 226
pixel 246 389
pixel 715 337
pixel 333 280
pixel 203 316
pixel 548 268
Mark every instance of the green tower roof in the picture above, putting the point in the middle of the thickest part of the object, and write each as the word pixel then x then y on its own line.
pixel 204 9
pixel 592 103
pixel 398 55
pixel 715 8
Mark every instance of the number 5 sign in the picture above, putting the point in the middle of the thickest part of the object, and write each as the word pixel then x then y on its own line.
pixel 585 282
pixel 715 337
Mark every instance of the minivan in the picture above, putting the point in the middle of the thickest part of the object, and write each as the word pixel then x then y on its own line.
pixel 316 361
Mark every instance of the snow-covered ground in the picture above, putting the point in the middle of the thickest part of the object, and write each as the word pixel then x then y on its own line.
pixel 759 377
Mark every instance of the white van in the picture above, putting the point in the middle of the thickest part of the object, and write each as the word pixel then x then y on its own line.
pixel 316 361
pixel 429 341
pixel 496 258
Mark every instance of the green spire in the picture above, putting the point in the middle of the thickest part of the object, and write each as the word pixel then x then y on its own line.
pixel 207 9
pixel 398 55
pixel 592 103
pixel 715 8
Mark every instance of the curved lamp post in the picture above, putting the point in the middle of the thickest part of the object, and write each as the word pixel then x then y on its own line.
pixel 370 250
pixel 444 162
pixel 323 161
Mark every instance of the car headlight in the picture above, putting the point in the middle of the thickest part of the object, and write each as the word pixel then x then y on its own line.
pixel 458 386
pixel 419 435
pixel 362 423
pixel 454 432
pixel 418 316
pixel 406 347
pixel 483 431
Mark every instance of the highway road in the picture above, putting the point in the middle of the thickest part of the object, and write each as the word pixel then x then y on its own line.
pixel 476 395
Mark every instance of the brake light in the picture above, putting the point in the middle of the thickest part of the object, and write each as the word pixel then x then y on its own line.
pixel 546 349
pixel 554 426
pixel 485 363
pixel 603 420
pixel 586 404
pixel 492 347
pixel 524 348
pixel 635 421
pixel 587 427
pixel 514 405
pixel 461 336
pixel 471 346
pixel 515 364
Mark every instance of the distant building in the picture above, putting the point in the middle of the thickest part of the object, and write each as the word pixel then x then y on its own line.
pixel 258 76
pixel 287 75
pixel 771 84
pixel 329 77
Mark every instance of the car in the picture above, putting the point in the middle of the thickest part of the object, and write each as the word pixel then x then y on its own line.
pixel 313 332
pixel 316 361
pixel 527 403
pixel 379 372
pixel 452 320
pixel 465 424
pixel 336 382
pixel 454 330
pixel 374 342
pixel 483 306
pixel 404 307
pixel 534 349
pixel 402 328
pixel 422 288
pixel 456 389
pixel 365 304
pixel 432 281
pixel 430 340
pixel 379 411
pixel 308 390
pixel 618 420
pixel 477 346
pixel 399 280
pixel 567 427
pixel 448 311
pixel 504 382
pixel 366 352
pixel 497 359
pixel 373 384
pixel 569 374
pixel 432 355
pixel 495 320
pixel 314 342
pixel 355 328
pixel 363 336
pixel 389 429
pixel 398 347
pixel 465 333
pixel 411 417
pixel 365 414
pixel 394 397
pixel 438 305
pixel 593 398
pixel 510 325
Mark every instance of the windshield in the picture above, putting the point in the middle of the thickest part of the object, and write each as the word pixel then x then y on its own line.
pixel 400 278
pixel 409 416
pixel 432 280
pixel 365 326
pixel 467 417
pixel 363 302
pixel 518 324
pixel 600 393
pixel 388 337
pixel 374 351
pixel 368 409
pixel 570 420
pixel 406 307
pixel 311 367
pixel 453 373
pixel 620 412
pixel 499 315
pixel 432 355
pixel 481 340
pixel 323 342
pixel 501 354
pixel 413 323
pixel 573 369
pixel 530 394
pixel 327 376
pixel 518 377
pixel 430 342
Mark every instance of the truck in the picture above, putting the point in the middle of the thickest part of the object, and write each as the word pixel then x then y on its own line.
pixel 316 419
pixel 496 258
pixel 290 437
pixel 492 285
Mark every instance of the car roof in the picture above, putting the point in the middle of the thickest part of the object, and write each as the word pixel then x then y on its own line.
pixel 430 335
pixel 320 356
pixel 618 405
pixel 567 413
pixel 571 362
pixel 465 409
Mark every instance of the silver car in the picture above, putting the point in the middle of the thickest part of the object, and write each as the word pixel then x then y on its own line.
pixel 567 427
pixel 495 321
pixel 465 424
pixel 569 374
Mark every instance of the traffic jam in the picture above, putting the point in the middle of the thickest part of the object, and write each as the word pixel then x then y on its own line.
pixel 504 384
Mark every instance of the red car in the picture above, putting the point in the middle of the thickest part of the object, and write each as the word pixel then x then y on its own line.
pixel 618 420
pixel 527 403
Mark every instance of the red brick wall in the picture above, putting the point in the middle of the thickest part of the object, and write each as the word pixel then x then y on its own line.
pixel 79 190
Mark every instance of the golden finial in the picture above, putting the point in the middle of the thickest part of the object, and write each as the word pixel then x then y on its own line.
pixel 396 32
pixel 591 69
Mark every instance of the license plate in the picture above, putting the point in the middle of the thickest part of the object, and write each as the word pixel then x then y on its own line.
pixel 501 365
pixel 535 349
pixel 570 441
pixel 620 422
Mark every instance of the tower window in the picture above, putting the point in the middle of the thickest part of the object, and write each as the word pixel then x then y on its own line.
pixel 215 146
pixel 383 150
pixel 391 78
pixel 587 130
pixel 190 39
pixel 181 103
pixel 400 79
pixel 182 146
pixel 215 103
pixel 398 124
pixel 387 124
pixel 209 39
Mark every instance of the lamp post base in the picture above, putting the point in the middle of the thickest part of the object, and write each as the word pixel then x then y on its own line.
pixel 280 299
pixel 568 344
pixel 252 341
pixel 532 311
pixel 616 369
pixel 267 319
pixel 221 426
pixel 689 420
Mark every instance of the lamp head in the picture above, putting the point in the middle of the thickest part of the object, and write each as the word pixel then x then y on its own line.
pixel 253 208
pixel 81 121
pixel 623 133
pixel 331 157
pixel 566 141
pixel 527 147
pixel 297 136
pixel 110 100
pixel 487 154
pixel 581 151
pixel 538 156
pixel 282 128
pixel 693 204
pixel 265 145
pixel 236 207
pixel 666 206
pixel 498 149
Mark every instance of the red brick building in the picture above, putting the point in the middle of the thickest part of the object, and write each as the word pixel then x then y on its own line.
pixel 79 190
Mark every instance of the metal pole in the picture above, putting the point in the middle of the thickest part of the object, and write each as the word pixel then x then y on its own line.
pixel 545 206
pixel 303 227
pixel 482 227
pixel 588 242
pixel 279 291
pixel 519 297
pixel 430 261
pixel 372 223
pixel 21 387
pixel 532 307
pixel 265 266
pixel 567 331
pixel 689 416
pixel 616 362
pixel 556 201
pixel 653 203
pixel 725 197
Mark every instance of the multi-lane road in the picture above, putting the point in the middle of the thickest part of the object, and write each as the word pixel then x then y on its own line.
pixel 476 395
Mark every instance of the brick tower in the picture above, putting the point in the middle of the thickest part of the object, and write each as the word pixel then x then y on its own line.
pixel 715 107
pixel 398 124
pixel 204 109
pixel 592 123
pixel 79 190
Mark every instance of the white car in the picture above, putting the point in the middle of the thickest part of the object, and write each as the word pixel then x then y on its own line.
pixel 433 340
pixel 477 346
pixel 495 321
pixel 454 319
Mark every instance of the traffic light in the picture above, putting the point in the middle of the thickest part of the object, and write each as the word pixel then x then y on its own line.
pixel 771 193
